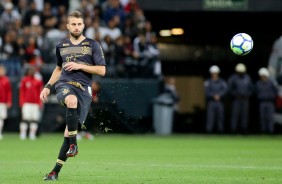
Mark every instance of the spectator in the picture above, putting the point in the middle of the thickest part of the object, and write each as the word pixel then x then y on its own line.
pixel 240 88
pixel 97 13
pixel 32 15
pixel 30 50
pixel 130 63
pixel 30 103
pixel 51 38
pixel 46 15
pixel 131 7
pixel 95 29
pixel 5 97
pixel 113 30
pixel 145 53
pixel 215 91
pixel 129 28
pixel 22 7
pixel 148 29
pixel 154 57
pixel 114 9
pixel 8 17
pixel 21 49
pixel 139 19
pixel 119 56
pixel 10 54
pixel 109 48
pixel 267 92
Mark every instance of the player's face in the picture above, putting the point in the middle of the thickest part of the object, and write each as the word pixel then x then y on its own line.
pixel 75 27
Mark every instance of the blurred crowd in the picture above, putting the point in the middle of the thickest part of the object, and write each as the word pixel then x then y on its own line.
pixel 30 30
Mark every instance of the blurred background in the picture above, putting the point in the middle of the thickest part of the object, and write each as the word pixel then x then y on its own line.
pixel 152 48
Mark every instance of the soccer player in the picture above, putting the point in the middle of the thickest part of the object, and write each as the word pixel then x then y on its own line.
pixel 30 103
pixel 5 97
pixel 78 58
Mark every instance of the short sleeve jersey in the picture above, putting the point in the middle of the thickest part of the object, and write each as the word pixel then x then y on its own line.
pixel 88 52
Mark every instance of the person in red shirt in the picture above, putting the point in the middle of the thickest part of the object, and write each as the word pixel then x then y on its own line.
pixel 5 97
pixel 30 103
pixel 131 7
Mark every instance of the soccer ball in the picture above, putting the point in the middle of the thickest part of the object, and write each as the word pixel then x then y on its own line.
pixel 241 44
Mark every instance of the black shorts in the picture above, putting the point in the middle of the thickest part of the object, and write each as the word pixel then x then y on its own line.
pixel 83 96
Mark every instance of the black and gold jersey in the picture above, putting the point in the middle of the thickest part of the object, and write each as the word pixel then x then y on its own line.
pixel 88 52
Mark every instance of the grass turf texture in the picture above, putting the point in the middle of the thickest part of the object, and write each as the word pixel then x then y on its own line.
pixel 118 159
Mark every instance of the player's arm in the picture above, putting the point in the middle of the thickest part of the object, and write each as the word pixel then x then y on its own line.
pixel 55 75
pixel 98 70
pixel 53 79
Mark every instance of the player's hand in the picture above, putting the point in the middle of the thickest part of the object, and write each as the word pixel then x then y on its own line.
pixel 72 66
pixel 43 95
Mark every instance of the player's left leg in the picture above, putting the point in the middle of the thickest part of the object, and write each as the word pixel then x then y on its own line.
pixel 72 124
pixel 62 158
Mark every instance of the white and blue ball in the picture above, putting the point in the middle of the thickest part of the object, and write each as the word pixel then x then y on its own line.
pixel 241 44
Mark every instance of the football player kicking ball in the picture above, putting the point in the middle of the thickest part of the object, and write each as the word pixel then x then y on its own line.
pixel 78 58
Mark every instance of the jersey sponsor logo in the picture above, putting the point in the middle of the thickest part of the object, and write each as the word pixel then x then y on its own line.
pixel 71 58
pixel 63 51
pixel 85 43
pixel 85 50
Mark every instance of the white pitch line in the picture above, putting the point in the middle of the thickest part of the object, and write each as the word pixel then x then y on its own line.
pixel 246 167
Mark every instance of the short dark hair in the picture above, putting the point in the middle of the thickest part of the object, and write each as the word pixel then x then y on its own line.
pixel 75 14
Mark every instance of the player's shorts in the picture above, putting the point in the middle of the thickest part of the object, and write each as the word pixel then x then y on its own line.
pixel 82 93
pixel 3 111
pixel 31 112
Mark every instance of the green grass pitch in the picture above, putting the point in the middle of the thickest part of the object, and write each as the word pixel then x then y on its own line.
pixel 142 159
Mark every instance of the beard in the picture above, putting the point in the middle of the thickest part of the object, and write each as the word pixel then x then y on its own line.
pixel 76 35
